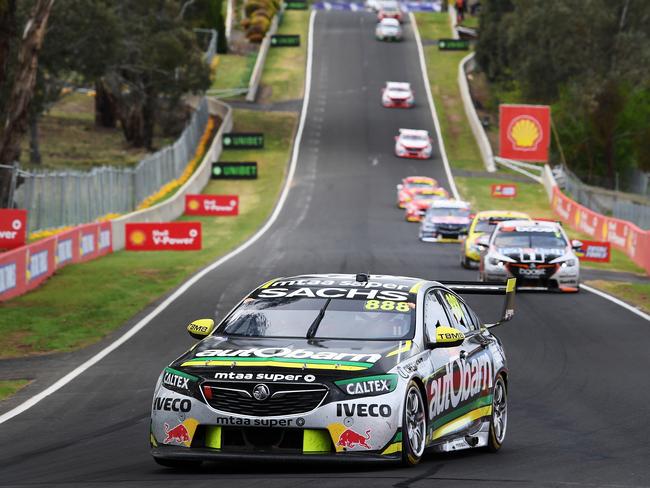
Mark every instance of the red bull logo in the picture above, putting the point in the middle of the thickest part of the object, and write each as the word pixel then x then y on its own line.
pixel 178 434
pixel 350 438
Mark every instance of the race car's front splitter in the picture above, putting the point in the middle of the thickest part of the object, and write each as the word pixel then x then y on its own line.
pixel 173 453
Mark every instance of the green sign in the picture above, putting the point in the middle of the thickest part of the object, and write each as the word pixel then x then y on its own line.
pixel 453 44
pixel 234 171
pixel 285 40
pixel 295 5
pixel 243 140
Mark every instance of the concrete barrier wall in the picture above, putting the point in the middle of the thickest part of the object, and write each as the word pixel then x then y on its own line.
pixel 482 140
pixel 174 207
pixel 256 75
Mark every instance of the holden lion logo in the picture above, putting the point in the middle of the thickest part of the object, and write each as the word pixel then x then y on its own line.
pixel 525 133
pixel 261 392
pixel 137 237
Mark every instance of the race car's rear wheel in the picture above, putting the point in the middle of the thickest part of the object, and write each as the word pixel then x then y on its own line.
pixel 499 421
pixel 414 426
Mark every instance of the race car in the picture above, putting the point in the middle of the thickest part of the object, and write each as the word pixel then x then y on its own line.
pixel 445 221
pixel 537 253
pixel 336 367
pixel 397 94
pixel 388 30
pixel 410 183
pixel 421 199
pixel 412 143
pixel 389 10
pixel 483 223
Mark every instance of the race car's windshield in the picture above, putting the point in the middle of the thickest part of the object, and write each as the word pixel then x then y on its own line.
pixel 488 225
pixel 414 138
pixel 448 212
pixel 342 319
pixel 539 240
pixel 399 89
pixel 418 185
pixel 424 196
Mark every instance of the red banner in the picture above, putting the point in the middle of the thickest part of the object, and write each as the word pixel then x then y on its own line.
pixel 524 132
pixel 211 204
pixel 623 235
pixel 163 236
pixel 594 251
pixel 13 228
pixel 504 190
pixel 27 267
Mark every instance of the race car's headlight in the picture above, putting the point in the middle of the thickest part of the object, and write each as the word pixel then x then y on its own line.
pixel 368 385
pixel 429 227
pixel 495 262
pixel 569 263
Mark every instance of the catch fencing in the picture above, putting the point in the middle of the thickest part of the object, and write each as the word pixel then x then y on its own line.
pixel 624 206
pixel 63 198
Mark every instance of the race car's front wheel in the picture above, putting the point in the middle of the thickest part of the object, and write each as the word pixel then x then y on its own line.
pixel 414 426
pixel 499 421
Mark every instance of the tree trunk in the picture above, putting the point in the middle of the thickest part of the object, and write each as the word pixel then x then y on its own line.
pixel 34 144
pixel 149 117
pixel 7 35
pixel 104 106
pixel 22 90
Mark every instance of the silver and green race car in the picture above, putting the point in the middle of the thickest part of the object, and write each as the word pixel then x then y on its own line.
pixel 344 367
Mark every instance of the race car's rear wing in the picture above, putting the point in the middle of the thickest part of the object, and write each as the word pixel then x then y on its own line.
pixel 480 288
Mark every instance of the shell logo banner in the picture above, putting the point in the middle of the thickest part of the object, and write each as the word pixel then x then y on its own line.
pixel 211 204
pixel 502 190
pixel 524 132
pixel 163 236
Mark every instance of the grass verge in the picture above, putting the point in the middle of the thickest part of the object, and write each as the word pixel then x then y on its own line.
pixel 69 138
pixel 83 303
pixel 233 71
pixel 284 74
pixel 10 387
pixel 636 294
pixel 442 68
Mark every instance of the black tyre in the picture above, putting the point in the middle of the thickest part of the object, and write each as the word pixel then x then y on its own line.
pixel 499 421
pixel 414 426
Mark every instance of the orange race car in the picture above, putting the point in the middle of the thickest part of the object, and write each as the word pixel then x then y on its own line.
pixel 409 184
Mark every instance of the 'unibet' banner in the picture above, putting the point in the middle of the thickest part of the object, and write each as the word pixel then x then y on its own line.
pixel 243 140
pixel 234 171
pixel 524 132
pixel 163 236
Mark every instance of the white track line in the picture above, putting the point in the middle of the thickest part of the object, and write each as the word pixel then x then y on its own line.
pixel 432 107
pixel 27 404
pixel 615 300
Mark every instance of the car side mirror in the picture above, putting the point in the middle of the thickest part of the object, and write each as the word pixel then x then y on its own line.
pixel 201 328
pixel 447 337
pixel 576 244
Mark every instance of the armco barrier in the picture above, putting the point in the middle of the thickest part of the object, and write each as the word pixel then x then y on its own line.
pixel 27 267
pixel 623 235
pixel 173 207
pixel 256 75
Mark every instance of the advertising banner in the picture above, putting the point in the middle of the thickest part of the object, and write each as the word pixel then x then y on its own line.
pixel 163 236
pixel 524 132
pixel 234 171
pixel 41 261
pixel 504 190
pixel 13 228
pixel 622 235
pixel 243 140
pixel 13 273
pixel 217 205
pixel 597 251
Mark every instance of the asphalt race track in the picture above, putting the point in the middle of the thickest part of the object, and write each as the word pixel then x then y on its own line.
pixel 579 365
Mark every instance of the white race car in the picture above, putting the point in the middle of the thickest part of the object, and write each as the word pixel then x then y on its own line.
pixel 388 30
pixel 411 143
pixel 397 94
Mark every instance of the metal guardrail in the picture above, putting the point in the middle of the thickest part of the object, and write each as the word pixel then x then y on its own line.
pixel 60 198
pixel 256 75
